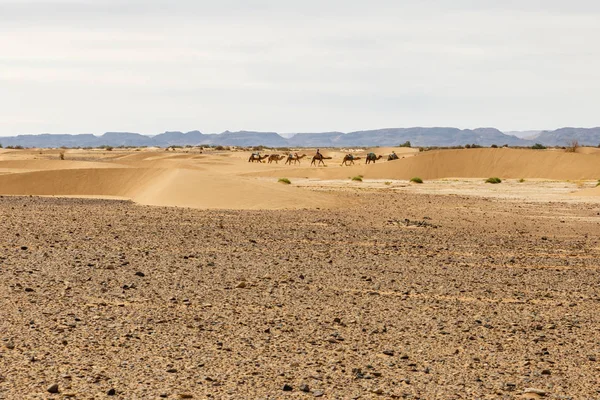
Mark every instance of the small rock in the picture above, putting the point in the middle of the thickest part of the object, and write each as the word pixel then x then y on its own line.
pixel 304 388
pixel 111 392
pixel 546 372
pixel 287 388
pixel 377 391
pixel 185 396
pixel 53 388
pixel 318 393
pixel 388 352
pixel 172 370
pixel 241 285
pixel 539 392
pixel 28 289
pixel 24 247
pixel 140 274
pixel 591 358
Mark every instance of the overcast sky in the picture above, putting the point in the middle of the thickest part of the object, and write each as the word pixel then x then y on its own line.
pixel 90 66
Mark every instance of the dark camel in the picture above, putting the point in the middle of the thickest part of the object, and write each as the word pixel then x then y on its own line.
pixel 295 159
pixel 276 158
pixel 371 157
pixel 392 157
pixel 257 158
pixel 320 158
pixel 349 157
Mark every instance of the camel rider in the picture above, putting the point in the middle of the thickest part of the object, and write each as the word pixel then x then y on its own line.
pixel 350 157
pixel 290 156
pixel 318 155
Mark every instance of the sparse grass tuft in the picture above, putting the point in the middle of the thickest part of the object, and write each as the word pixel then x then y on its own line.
pixel 284 180
pixel 388 183
pixel 62 155
pixel 598 184
pixel 416 179
pixel 493 180
pixel 538 146
pixel 357 178
pixel 521 180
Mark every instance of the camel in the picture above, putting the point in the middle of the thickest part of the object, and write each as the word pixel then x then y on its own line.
pixel 371 157
pixel 392 157
pixel 257 157
pixel 349 157
pixel 276 158
pixel 320 158
pixel 295 159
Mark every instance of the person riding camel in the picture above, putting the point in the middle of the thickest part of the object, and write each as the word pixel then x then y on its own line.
pixel 318 155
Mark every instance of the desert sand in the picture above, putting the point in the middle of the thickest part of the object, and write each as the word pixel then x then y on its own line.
pixel 151 274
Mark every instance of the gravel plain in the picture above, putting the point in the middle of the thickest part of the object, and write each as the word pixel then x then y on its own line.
pixel 397 295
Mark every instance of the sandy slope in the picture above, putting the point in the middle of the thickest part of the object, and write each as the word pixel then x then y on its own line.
pixel 154 178
pixel 467 163
pixel 228 180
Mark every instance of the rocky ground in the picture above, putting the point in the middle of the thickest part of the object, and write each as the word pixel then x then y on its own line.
pixel 397 296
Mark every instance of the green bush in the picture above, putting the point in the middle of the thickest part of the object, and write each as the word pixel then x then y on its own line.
pixel 538 146
pixel 357 178
pixel 416 179
pixel 493 180
pixel 521 180
pixel 494 146
pixel 405 144
pixel 284 180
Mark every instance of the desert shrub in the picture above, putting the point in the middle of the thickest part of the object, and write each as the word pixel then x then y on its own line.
pixel 476 146
pixel 62 155
pixel 405 144
pixel 493 180
pixel 598 184
pixel 108 148
pixel 494 146
pixel 388 183
pixel 416 179
pixel 504 145
pixel 357 178
pixel 284 180
pixel 1 145
pixel 258 148
pixel 467 146
pixel 521 180
pixel 285 149
pixel 572 146
pixel 538 146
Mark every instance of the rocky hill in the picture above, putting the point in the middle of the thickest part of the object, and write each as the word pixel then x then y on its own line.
pixel 437 136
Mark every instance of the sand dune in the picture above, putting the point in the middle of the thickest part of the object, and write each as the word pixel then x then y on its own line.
pixel 228 180
pixel 467 163
pixel 156 179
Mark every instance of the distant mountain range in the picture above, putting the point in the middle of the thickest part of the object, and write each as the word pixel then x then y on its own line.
pixel 379 137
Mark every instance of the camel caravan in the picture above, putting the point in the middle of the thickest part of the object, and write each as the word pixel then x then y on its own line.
pixel 318 159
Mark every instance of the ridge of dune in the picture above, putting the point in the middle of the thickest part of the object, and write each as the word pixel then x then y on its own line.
pixel 463 163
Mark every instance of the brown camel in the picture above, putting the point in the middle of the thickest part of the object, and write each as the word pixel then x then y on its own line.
pixel 295 159
pixel 276 158
pixel 257 158
pixel 349 157
pixel 371 157
pixel 320 158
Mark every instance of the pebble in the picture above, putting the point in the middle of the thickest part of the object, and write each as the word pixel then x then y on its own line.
pixel 388 352
pixel 140 274
pixel 318 393
pixel 53 388
pixel 304 388
pixel 241 285
pixel 535 391
pixel 377 391
pixel 111 392
pixel 287 388
pixel 185 396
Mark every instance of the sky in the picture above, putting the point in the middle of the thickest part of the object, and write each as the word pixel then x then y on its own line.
pixel 149 66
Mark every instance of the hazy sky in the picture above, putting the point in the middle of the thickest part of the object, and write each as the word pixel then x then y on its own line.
pixel 147 66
